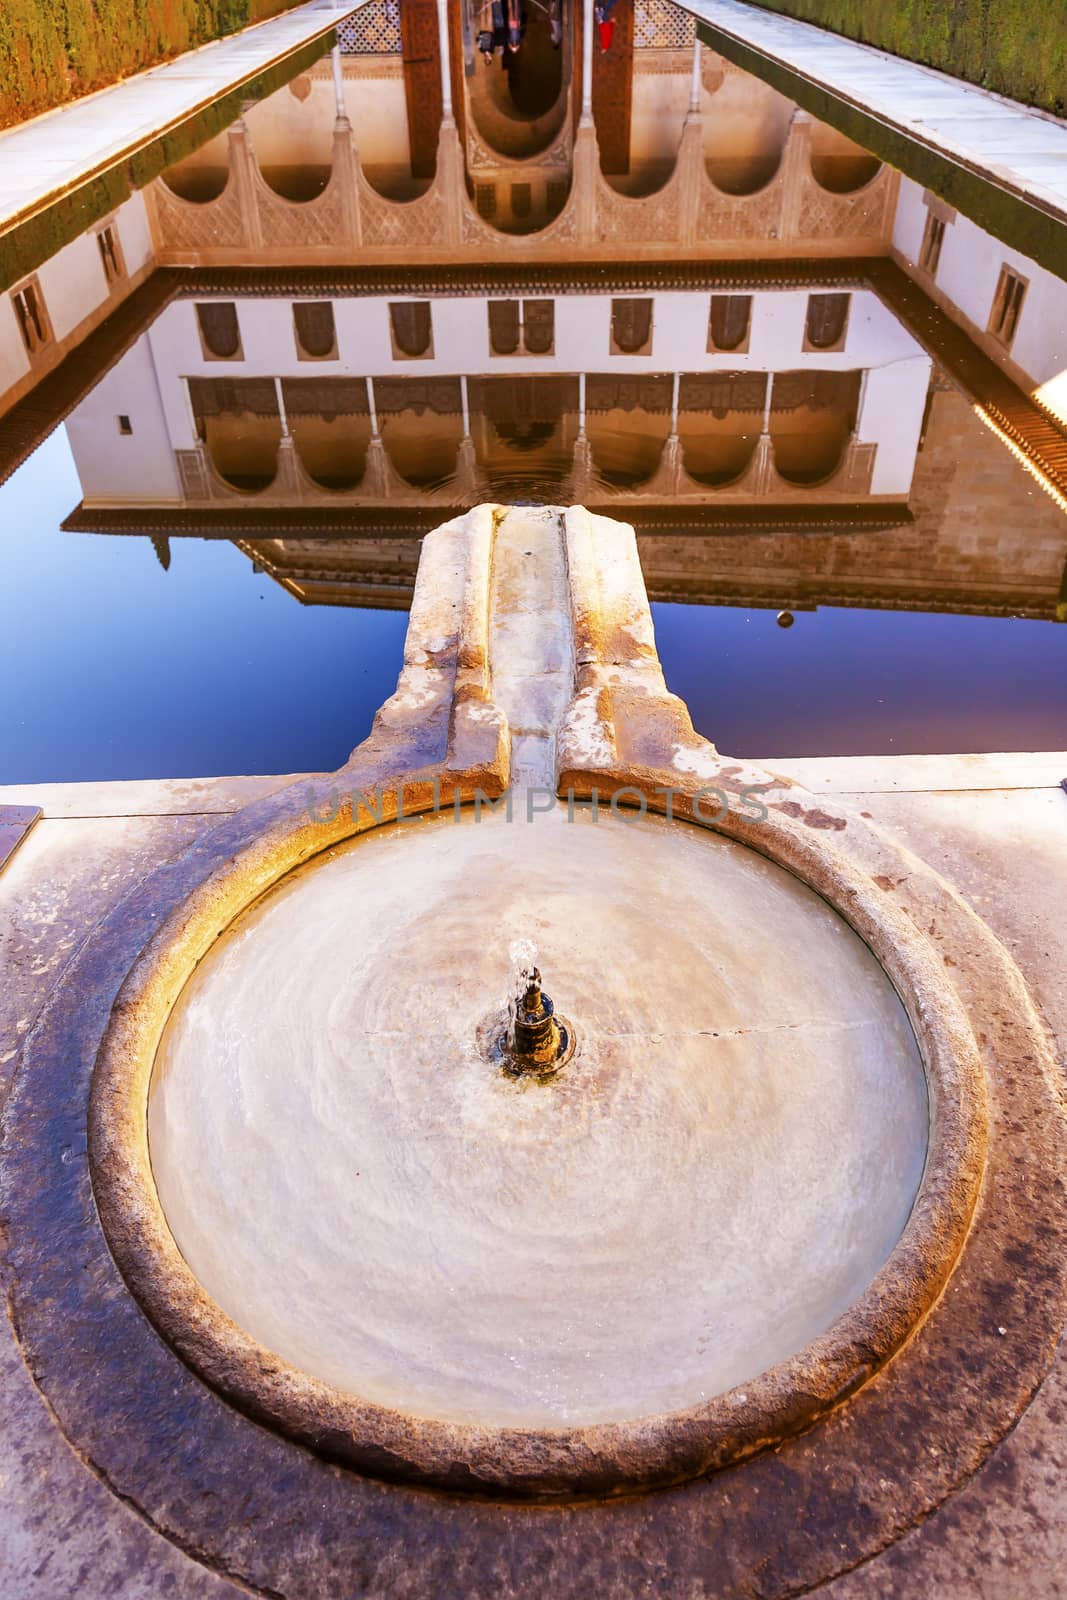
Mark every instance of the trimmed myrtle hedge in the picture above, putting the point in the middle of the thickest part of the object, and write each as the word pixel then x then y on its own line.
pixel 54 50
pixel 1016 47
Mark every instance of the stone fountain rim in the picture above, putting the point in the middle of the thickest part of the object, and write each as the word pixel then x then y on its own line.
pixel 541 1463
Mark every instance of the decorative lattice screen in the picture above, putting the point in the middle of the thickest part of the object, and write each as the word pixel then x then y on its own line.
pixel 374 30
pixel 661 25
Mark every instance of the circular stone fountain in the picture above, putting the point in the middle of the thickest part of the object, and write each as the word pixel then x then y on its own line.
pixel 708 1183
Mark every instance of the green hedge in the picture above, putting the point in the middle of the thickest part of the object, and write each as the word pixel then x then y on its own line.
pixel 54 50
pixel 1016 47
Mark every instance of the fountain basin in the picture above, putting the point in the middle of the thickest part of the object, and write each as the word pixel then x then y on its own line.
pixel 709 1226
pixel 706 1187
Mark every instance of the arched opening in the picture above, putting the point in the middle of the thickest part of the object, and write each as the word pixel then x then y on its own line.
pixel 729 321
pixel 639 155
pixel 746 125
pixel 627 421
pixel 421 421
pixel 411 329
pixel 720 416
pixel 330 425
pixel 291 133
pixel 517 98
pixel 837 164
pixel 219 328
pixel 238 421
pixel 524 430
pixel 826 320
pixel 202 176
pixel 812 417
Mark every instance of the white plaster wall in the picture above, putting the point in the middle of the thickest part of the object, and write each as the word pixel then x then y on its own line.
pixel 73 281
pixel 968 273
pixel 73 286
pixel 137 468
pixel 891 414
pixel 135 234
pixel 14 362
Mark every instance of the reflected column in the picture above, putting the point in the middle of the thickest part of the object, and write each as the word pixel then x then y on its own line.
pixel 695 83
pixel 670 466
pixel 582 466
pixel 468 481
pixel 764 452
pixel 376 476
pixel 287 478
pixel 338 83
pixel 588 30
pixel 446 62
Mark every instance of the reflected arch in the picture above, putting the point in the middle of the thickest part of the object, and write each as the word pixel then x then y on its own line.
pixel 812 417
pixel 720 418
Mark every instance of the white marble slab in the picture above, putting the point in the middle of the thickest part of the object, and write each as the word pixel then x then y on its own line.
pixel 1022 149
pixel 46 156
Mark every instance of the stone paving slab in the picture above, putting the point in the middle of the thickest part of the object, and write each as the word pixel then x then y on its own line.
pixel 42 159
pixel 957 119
pixel 917 774
pixel 15 823
pixel 149 797
pixel 995 825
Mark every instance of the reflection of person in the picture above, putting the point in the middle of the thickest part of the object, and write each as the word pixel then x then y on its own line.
pixel 493 34
pixel 516 25
pixel 605 23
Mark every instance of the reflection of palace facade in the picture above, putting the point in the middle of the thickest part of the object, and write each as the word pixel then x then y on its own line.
pixel 411 147
pixel 409 280
pixel 785 396
pixel 821 459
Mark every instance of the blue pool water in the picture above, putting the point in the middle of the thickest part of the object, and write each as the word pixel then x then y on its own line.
pixel 111 667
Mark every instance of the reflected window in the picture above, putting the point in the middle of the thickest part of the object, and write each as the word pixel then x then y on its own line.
pixel 826 322
pixel 32 317
pixel 125 425
pixel 729 322
pixel 411 328
pixel 220 334
pixel 631 327
pixel 933 239
pixel 504 329
pixel 107 243
pixel 538 326
pixel 316 335
pixel 524 327
pixel 1007 306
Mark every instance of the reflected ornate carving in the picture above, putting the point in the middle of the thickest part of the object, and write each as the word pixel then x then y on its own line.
pixel 847 216
pixel 481 155
pixel 739 216
pixel 654 218
pixel 687 211
pixel 185 225
pixel 193 475
pixel 296 224
pixel 394 223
